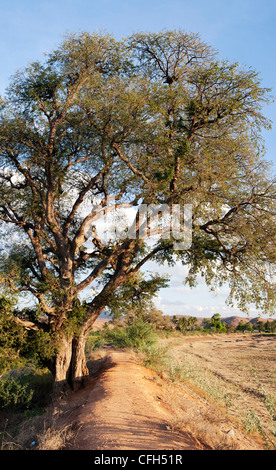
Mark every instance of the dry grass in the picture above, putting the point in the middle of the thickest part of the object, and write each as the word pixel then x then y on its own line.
pixel 219 370
pixel 206 426
pixel 54 439
pixel 208 422
pixel 45 432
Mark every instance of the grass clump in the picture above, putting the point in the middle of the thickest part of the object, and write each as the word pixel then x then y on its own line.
pixel 253 423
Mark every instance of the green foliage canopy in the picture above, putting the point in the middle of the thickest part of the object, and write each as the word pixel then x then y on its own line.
pixel 156 118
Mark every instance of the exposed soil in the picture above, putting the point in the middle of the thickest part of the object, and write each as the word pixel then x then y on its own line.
pixel 126 406
pixel 122 409
pixel 129 407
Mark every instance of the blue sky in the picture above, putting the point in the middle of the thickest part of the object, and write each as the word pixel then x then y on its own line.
pixel 241 30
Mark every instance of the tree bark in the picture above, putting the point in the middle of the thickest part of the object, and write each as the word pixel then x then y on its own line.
pixel 70 366
pixel 79 370
pixel 62 366
pixel 70 369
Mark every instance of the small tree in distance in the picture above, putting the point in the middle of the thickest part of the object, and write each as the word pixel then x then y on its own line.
pixel 103 124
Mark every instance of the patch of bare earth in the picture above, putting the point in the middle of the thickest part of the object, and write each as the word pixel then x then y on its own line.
pixel 129 407
pixel 122 410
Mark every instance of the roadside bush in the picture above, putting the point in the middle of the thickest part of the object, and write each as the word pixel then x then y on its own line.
pixel 14 395
pixel 134 336
pixel 12 338
pixel 94 341
pixel 24 388
pixel 155 356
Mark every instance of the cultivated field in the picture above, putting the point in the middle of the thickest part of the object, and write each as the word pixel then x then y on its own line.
pixel 237 372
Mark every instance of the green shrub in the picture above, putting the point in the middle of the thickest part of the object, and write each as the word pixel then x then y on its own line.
pixel 14 395
pixel 40 347
pixel 12 337
pixel 94 341
pixel 141 334
pixel 117 337
pixel 134 336
pixel 155 356
pixel 26 387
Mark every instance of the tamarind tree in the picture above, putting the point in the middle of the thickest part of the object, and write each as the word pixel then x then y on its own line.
pixel 102 125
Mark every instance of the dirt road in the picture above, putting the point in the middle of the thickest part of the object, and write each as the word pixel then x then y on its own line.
pixel 123 410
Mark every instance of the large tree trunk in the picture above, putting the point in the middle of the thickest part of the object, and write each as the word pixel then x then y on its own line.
pixel 62 366
pixel 70 369
pixel 79 370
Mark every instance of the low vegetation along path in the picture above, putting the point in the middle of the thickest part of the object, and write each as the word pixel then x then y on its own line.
pixel 122 410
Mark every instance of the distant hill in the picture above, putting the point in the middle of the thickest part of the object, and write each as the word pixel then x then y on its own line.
pixel 232 320
pixel 235 320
